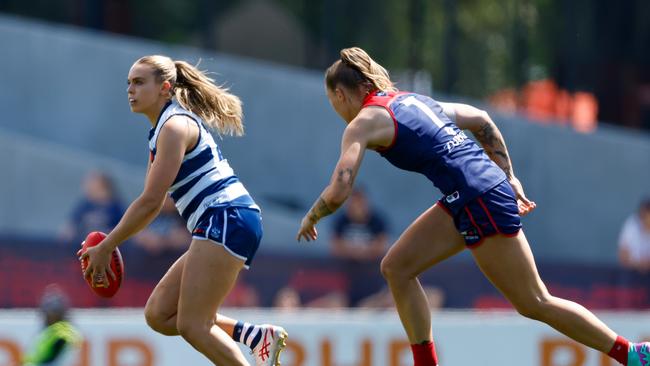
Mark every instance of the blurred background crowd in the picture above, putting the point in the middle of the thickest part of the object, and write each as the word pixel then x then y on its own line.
pixel 568 82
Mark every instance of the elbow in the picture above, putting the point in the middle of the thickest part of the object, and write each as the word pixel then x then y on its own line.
pixel 480 123
pixel 333 203
pixel 475 120
pixel 150 203
pixel 336 199
pixel 484 117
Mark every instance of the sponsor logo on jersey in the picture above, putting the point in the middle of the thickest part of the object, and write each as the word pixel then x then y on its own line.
pixel 458 139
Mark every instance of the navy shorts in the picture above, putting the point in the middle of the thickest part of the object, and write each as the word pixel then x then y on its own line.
pixel 238 229
pixel 494 212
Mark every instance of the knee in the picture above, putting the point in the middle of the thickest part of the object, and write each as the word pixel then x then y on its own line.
pixel 534 307
pixel 192 330
pixel 156 320
pixel 392 270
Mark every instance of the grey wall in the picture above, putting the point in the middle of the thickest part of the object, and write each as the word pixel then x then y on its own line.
pixel 41 182
pixel 64 88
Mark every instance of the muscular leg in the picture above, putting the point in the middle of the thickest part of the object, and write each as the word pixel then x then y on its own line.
pixel 508 263
pixel 209 274
pixel 430 239
pixel 162 306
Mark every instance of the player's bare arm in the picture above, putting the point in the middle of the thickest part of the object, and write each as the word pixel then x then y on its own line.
pixel 488 135
pixel 495 147
pixel 353 146
pixel 143 210
pixel 172 144
pixel 484 129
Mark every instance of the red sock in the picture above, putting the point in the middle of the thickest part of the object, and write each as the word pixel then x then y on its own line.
pixel 424 354
pixel 619 350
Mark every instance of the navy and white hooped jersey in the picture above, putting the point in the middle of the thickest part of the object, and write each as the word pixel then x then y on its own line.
pixel 428 142
pixel 204 179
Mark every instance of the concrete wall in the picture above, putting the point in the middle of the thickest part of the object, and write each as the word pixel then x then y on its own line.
pixel 66 87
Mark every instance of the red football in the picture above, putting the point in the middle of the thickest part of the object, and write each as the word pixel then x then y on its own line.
pixel 117 265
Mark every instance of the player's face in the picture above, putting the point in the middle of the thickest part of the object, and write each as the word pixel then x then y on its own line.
pixel 335 102
pixel 343 103
pixel 144 92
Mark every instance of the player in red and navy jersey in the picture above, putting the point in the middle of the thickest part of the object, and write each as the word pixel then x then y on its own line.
pixel 480 209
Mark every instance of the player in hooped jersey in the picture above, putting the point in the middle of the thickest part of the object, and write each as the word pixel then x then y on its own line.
pixel 480 209
pixel 181 103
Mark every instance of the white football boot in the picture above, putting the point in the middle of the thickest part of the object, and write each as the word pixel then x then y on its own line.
pixel 271 344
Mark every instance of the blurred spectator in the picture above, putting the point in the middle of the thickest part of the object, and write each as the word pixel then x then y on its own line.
pixel 287 298
pixel 634 240
pixel 384 299
pixel 544 101
pixel 167 233
pixel 243 294
pixel 505 100
pixel 331 300
pixel 98 210
pixel 321 287
pixel 59 341
pixel 539 99
pixel 585 112
pixel 359 242
pixel 158 245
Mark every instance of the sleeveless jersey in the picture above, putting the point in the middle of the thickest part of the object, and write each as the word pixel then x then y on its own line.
pixel 205 179
pixel 426 141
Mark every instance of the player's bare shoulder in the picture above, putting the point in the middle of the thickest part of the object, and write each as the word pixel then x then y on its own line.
pixel 377 114
pixel 178 122
pixel 377 124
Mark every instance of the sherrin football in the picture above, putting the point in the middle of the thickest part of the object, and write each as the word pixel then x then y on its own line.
pixel 117 265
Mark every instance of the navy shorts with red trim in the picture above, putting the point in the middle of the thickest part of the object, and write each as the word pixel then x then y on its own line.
pixel 237 229
pixel 494 212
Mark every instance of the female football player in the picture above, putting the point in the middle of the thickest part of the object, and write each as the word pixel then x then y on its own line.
pixel 182 104
pixel 481 207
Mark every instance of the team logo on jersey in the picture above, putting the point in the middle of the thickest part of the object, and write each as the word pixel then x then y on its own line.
pixel 452 197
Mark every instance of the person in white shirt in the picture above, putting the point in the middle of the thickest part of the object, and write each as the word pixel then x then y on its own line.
pixel 634 241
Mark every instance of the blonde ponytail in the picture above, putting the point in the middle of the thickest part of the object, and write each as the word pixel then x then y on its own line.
pixel 196 92
pixel 356 67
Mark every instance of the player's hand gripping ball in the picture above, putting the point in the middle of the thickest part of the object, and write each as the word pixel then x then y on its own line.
pixel 104 284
